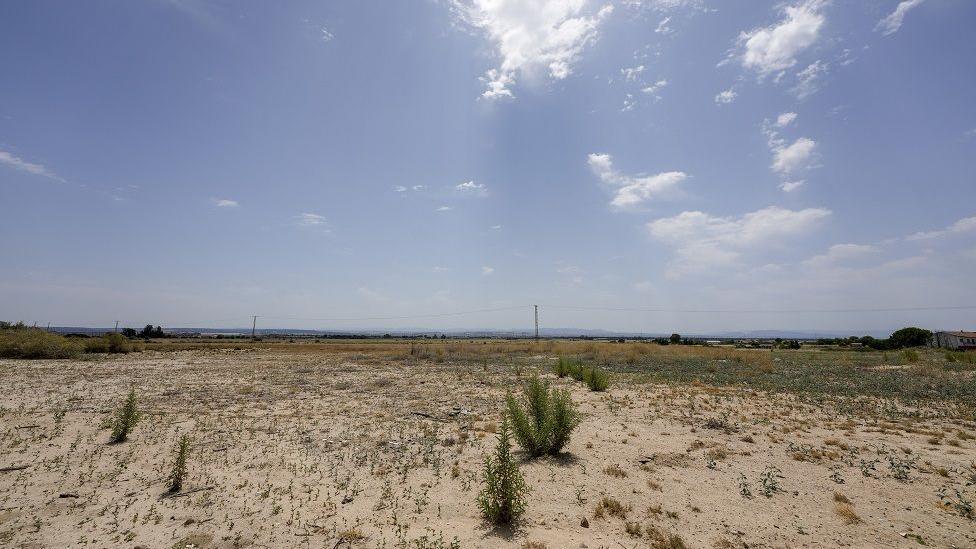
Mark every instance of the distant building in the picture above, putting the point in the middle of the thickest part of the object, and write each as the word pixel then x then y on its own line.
pixel 954 340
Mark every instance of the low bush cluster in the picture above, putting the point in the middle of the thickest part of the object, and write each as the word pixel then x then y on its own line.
pixel 592 376
pixel 543 424
pixel 20 341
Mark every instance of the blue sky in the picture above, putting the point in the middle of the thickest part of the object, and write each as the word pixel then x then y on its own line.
pixel 194 163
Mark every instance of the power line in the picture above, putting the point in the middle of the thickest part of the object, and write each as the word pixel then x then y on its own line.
pixel 767 311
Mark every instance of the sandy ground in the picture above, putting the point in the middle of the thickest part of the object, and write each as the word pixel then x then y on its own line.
pixel 319 450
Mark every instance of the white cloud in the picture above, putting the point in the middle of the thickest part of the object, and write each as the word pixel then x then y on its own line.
pixel 891 23
pixel 327 36
pixel 655 87
pixel 400 189
pixel 225 203
pixel 965 225
pixel 495 227
pixel 662 27
pixel 531 37
pixel 701 240
pixel 794 157
pixel 310 220
pixel 486 270
pixel 470 187
pixel 444 209
pixel 785 119
pixel 629 103
pixel 725 97
pixel 790 186
pixel 632 73
pixel 774 48
pixel 16 163
pixel 840 253
pixel 632 191
pixel 808 80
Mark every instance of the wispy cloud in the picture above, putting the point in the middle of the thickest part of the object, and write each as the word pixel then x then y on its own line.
pixel 965 225
pixel 486 270
pixel 444 209
pixel 632 191
pixel 893 21
pixel 809 79
pixel 312 221
pixel 472 188
pixel 531 36
pixel 12 161
pixel 225 203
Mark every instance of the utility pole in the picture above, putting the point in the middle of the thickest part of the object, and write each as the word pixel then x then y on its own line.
pixel 116 326
pixel 536 321
pixel 254 325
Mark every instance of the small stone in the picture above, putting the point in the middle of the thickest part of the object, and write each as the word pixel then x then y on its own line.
pixel 585 523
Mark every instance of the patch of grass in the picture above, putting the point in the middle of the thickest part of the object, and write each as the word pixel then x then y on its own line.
pixel 610 506
pixel 544 422
pixel 502 499
pixel 614 470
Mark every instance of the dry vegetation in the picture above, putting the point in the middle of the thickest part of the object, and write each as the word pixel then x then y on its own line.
pixel 382 443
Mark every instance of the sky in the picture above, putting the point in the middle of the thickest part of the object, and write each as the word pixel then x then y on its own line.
pixel 651 166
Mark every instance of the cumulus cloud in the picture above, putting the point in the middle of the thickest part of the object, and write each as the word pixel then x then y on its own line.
pixel 793 157
pixel 655 87
pixel 10 160
pixel 531 37
pixel 725 97
pixel 701 240
pixel 775 48
pixel 892 22
pixel 632 191
pixel 470 187
pixel 965 225
pixel 225 203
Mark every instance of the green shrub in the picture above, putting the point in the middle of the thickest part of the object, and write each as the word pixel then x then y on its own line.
pixel 109 343
pixel 126 418
pixel 577 372
pixel 563 367
pixel 18 341
pixel 596 379
pixel 543 425
pixel 502 499
pixel 178 473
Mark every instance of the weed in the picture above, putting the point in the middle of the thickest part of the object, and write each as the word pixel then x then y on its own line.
pixel 126 418
pixel 178 474
pixel 612 507
pixel 502 500
pixel 770 480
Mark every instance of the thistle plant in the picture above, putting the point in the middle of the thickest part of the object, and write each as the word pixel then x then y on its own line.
pixel 178 474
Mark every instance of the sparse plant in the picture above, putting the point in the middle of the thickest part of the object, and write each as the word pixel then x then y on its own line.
pixel 178 474
pixel 596 379
pixel 744 488
pixel 544 424
pixel 502 500
pixel 957 502
pixel 126 418
pixel 770 480
pixel 563 367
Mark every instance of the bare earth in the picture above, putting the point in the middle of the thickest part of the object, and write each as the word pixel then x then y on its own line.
pixel 318 449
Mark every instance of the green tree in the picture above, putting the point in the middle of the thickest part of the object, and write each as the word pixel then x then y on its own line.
pixel 675 339
pixel 909 337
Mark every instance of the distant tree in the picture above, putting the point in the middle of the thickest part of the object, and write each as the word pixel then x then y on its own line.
pixel 129 332
pixel 147 331
pixel 909 337
pixel 675 338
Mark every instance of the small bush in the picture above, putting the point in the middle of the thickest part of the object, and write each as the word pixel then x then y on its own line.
pixel 502 500
pixel 109 343
pixel 126 418
pixel 544 424
pixel 563 368
pixel 178 473
pixel 597 379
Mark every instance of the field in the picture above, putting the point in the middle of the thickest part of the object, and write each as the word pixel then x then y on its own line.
pixel 381 444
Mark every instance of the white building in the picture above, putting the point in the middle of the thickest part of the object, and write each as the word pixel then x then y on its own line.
pixel 954 340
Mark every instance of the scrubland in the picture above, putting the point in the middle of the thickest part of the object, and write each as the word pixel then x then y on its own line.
pixel 382 444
